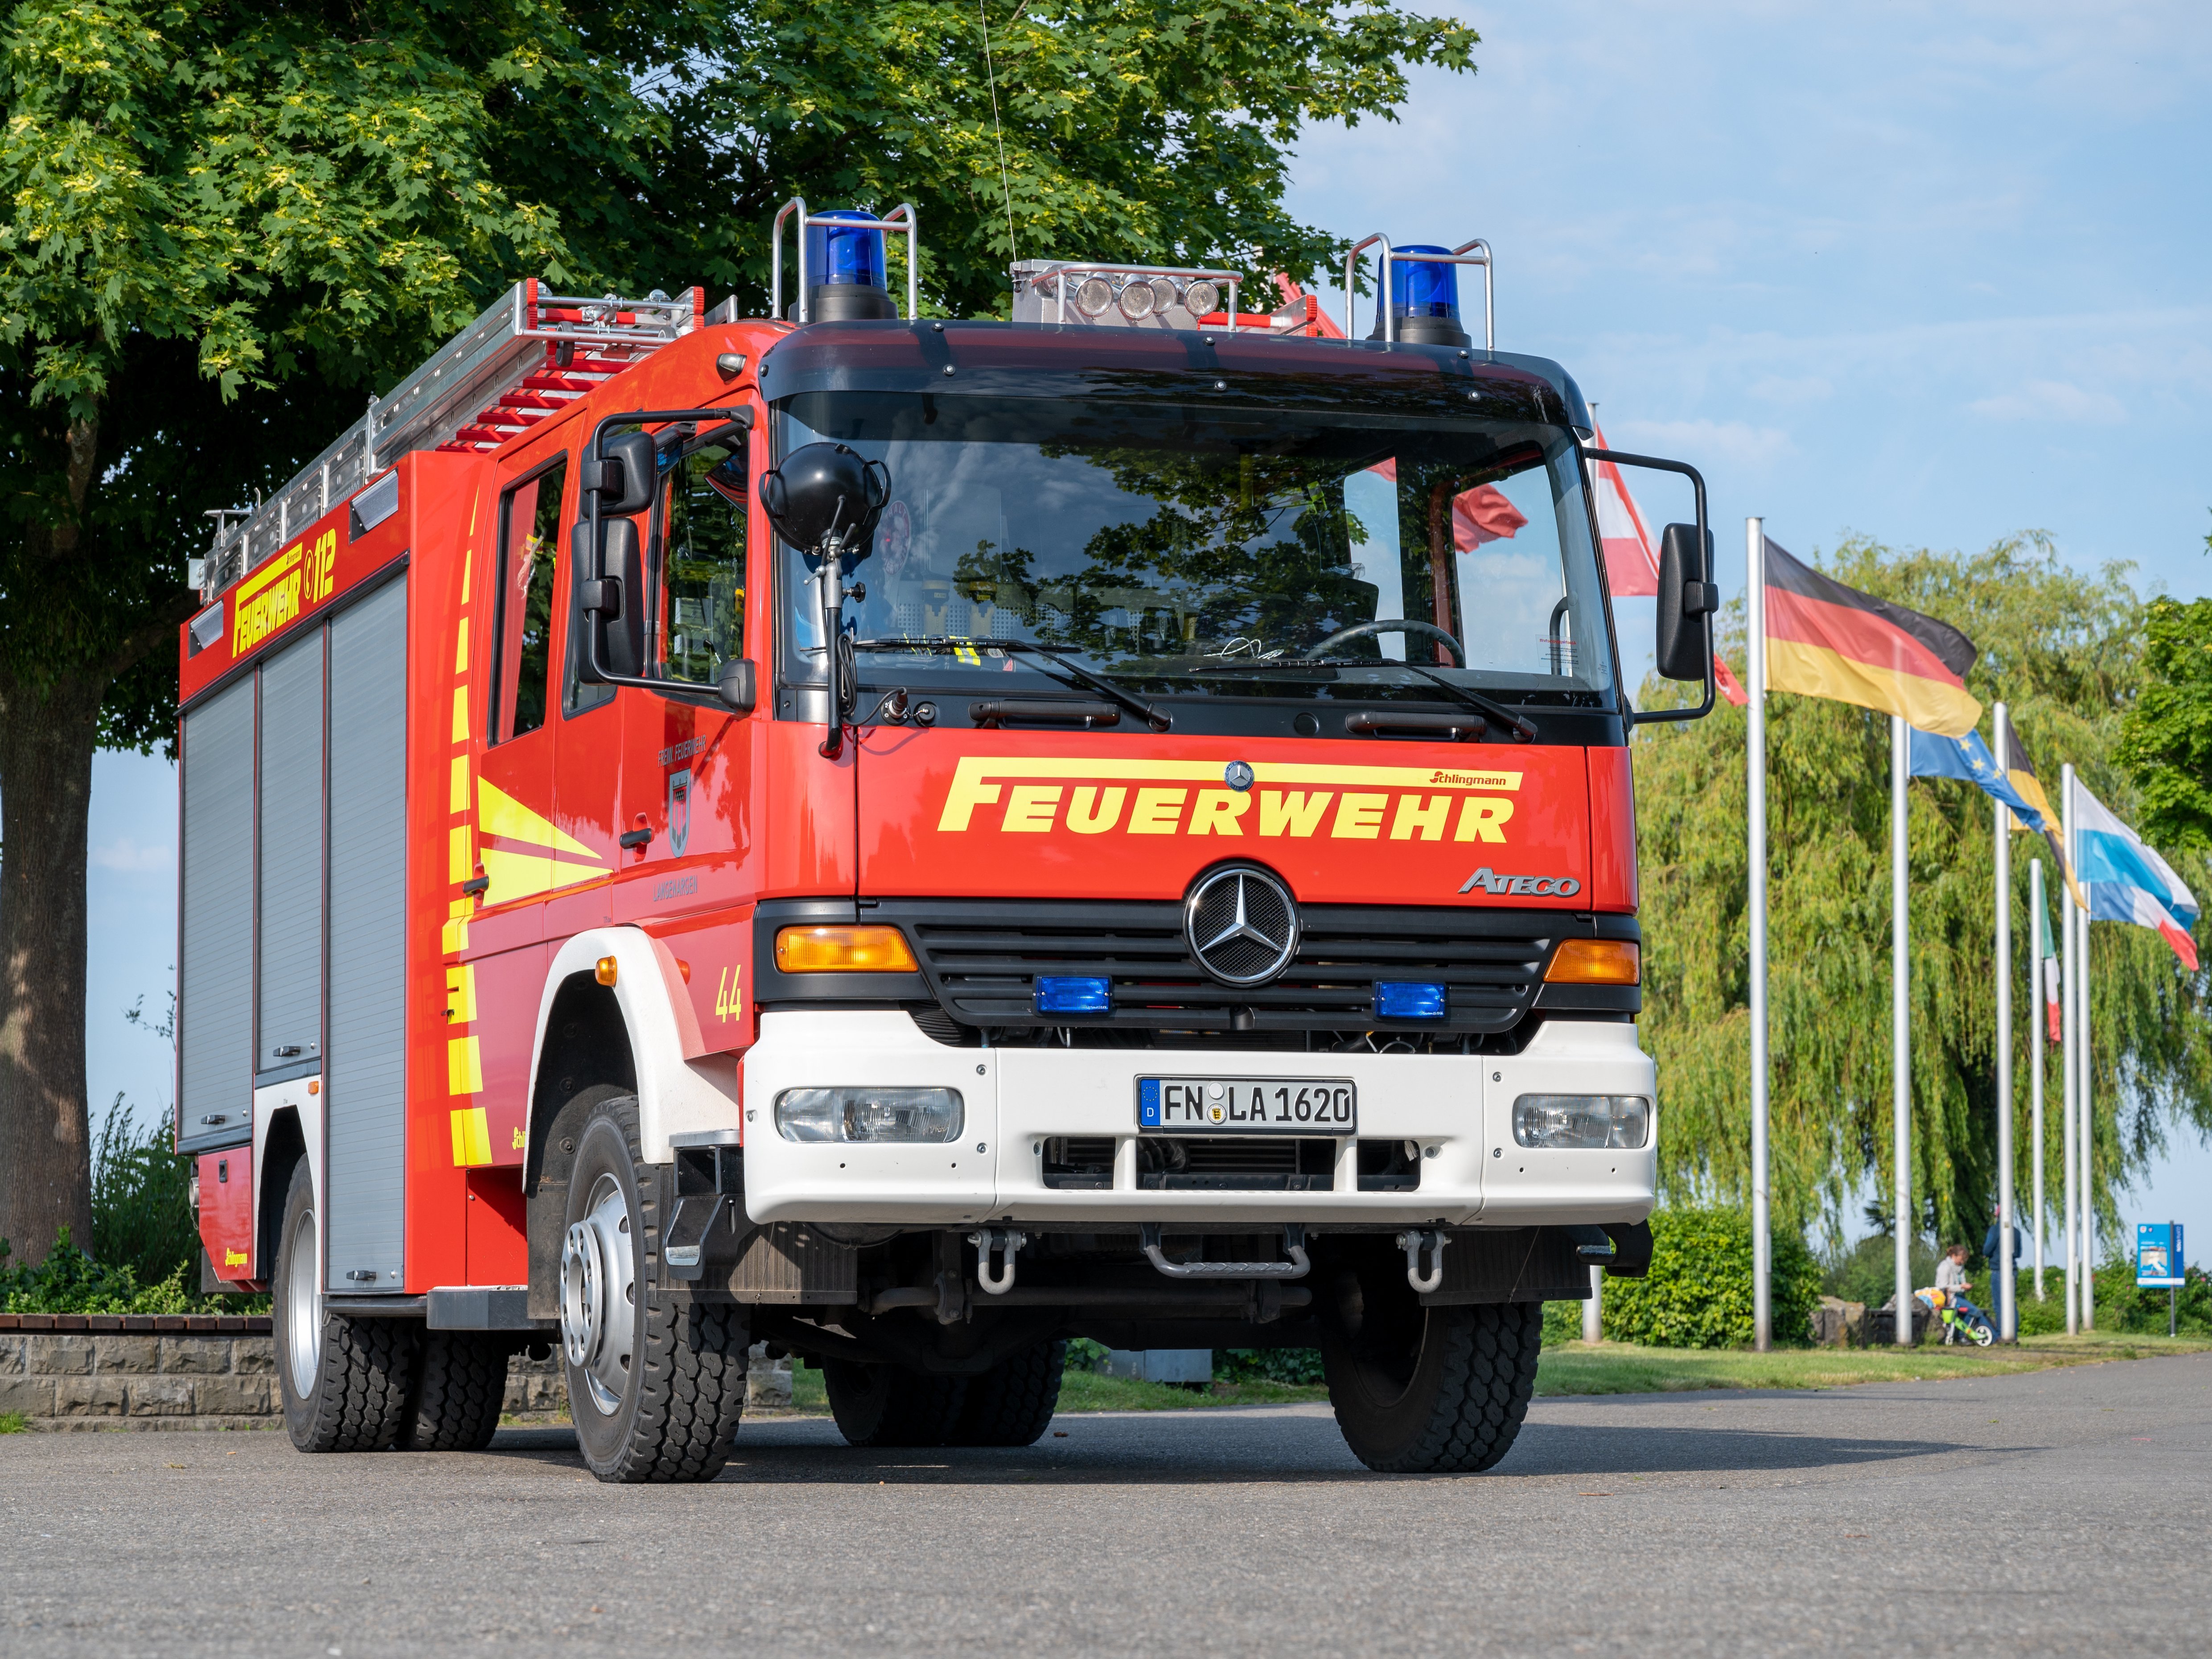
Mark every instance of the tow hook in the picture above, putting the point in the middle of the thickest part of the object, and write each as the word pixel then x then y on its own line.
pixel 1001 1241
pixel 1429 1239
pixel 1294 1242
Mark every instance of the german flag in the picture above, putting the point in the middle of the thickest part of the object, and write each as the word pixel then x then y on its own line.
pixel 2021 771
pixel 1825 639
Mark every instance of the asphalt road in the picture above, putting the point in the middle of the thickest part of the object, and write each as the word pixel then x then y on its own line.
pixel 2062 1512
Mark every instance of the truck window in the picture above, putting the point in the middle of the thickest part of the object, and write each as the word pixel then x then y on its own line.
pixel 701 605
pixel 529 537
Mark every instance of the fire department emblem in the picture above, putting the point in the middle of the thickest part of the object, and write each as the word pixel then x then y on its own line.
pixel 680 811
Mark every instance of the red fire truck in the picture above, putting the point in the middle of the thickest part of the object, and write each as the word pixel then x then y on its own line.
pixel 910 841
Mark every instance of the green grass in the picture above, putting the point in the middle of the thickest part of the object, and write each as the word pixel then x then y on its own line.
pixel 13 1423
pixel 1624 1368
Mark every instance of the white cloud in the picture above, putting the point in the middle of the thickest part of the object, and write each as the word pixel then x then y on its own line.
pixel 133 856
pixel 2049 400
pixel 1744 445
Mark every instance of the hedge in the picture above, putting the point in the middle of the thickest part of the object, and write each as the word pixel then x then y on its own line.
pixel 1698 1292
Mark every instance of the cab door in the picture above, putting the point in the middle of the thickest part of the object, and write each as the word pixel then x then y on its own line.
pixel 686 789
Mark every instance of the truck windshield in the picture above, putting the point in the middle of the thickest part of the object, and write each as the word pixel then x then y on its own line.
pixel 1205 552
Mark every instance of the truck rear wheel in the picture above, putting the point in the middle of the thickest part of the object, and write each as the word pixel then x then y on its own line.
pixel 1427 1390
pixel 892 1406
pixel 1011 1404
pixel 344 1381
pixel 656 1383
pixel 461 1382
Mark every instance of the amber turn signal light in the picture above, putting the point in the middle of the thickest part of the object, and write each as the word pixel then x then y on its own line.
pixel 606 970
pixel 842 950
pixel 1595 962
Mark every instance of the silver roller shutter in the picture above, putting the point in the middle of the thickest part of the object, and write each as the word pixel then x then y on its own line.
pixel 291 908
pixel 365 1065
pixel 215 967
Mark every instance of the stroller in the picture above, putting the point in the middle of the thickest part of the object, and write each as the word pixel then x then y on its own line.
pixel 1962 1321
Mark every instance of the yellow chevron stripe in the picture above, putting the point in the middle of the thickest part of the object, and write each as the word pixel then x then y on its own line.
pixel 499 813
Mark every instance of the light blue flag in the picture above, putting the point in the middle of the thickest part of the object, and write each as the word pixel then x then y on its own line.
pixel 1969 760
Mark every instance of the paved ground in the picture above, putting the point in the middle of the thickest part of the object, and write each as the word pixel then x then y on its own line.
pixel 2061 1512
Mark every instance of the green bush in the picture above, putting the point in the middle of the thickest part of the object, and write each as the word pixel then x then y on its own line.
pixel 1563 1322
pixel 142 1205
pixel 1698 1292
pixel 70 1282
pixel 1292 1365
pixel 1867 1271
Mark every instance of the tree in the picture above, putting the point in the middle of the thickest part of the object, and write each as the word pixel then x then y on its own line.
pixel 226 222
pixel 2166 741
pixel 2061 650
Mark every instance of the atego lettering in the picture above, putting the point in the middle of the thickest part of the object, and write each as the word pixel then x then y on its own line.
pixel 1522 886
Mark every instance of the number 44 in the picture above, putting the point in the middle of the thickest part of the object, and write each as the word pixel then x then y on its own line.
pixel 729 996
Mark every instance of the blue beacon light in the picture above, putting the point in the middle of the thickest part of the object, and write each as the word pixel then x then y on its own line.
pixel 1424 298
pixel 1074 994
pixel 845 279
pixel 1409 1000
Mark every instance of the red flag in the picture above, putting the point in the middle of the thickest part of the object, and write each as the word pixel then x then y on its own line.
pixel 1632 557
pixel 1731 687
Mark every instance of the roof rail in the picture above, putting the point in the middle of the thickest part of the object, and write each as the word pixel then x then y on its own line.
pixel 500 375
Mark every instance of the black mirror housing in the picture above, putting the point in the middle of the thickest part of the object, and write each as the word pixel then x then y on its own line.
pixel 1687 600
pixel 825 491
pixel 613 602
pixel 737 686
pixel 628 474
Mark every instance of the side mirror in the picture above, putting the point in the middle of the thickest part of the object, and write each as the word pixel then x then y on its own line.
pixel 736 686
pixel 627 476
pixel 612 603
pixel 1687 599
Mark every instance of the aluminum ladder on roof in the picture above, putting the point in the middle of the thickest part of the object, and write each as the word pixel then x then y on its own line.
pixel 504 373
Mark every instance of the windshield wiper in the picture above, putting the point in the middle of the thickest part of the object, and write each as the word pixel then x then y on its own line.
pixel 946 644
pixel 1523 729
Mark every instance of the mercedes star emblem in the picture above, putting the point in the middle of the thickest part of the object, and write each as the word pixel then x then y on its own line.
pixel 1242 924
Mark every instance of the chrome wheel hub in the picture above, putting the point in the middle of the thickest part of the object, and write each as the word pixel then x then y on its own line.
pixel 303 1304
pixel 599 1294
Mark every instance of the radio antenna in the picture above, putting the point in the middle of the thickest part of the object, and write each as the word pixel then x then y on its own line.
pixel 1004 189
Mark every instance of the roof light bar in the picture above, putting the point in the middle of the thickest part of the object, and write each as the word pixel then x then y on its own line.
pixel 1475 253
pixel 1120 296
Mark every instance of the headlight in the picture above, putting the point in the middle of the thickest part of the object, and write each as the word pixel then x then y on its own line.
pixel 878 1115
pixel 1093 294
pixel 1202 298
pixel 1137 298
pixel 1587 1121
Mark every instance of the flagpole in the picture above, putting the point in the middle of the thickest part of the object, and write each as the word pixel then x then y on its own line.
pixel 1900 1039
pixel 2087 1120
pixel 2069 1046
pixel 2008 1315
pixel 2035 1075
pixel 1755 540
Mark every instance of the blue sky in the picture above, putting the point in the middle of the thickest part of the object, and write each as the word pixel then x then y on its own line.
pixel 1936 275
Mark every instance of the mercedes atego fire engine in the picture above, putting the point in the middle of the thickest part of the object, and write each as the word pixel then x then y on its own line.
pixel 910 841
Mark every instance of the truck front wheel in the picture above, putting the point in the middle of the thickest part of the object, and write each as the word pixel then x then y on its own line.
pixel 656 1383
pixel 1426 1390
pixel 344 1381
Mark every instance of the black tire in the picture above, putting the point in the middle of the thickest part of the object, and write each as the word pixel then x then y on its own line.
pixel 892 1406
pixel 1012 1403
pixel 344 1381
pixel 461 1382
pixel 1425 1390
pixel 674 1406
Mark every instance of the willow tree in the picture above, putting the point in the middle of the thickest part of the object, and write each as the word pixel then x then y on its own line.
pixel 224 223
pixel 2061 649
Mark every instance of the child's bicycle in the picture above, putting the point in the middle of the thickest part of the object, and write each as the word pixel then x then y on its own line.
pixel 1962 1321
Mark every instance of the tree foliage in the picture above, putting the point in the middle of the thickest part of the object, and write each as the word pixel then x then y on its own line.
pixel 2063 650
pixel 2166 740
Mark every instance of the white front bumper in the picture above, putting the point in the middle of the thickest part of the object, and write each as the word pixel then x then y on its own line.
pixel 1458 1107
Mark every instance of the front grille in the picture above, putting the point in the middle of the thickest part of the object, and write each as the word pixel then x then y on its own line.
pixel 1235 1163
pixel 1079 1163
pixel 982 957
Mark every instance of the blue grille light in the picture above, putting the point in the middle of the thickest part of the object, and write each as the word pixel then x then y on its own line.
pixel 1070 994
pixel 837 256
pixel 1422 288
pixel 1408 999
